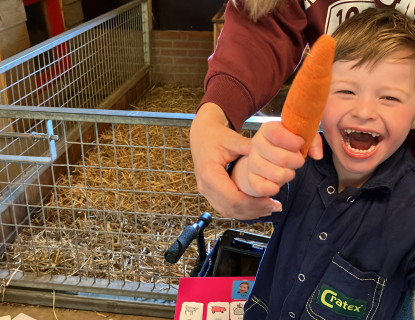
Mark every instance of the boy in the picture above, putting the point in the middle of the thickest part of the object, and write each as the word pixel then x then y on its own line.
pixel 344 243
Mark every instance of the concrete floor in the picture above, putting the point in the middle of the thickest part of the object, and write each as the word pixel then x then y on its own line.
pixel 45 313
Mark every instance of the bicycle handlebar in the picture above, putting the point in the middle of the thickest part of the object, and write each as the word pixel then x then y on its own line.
pixel 176 250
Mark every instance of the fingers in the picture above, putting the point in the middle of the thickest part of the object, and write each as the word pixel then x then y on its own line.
pixel 226 199
pixel 259 178
pixel 272 161
pixel 273 156
pixel 213 145
pixel 278 135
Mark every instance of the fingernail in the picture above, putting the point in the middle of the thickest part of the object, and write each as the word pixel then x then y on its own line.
pixel 317 153
pixel 275 209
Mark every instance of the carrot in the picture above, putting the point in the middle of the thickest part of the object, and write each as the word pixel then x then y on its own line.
pixel 307 97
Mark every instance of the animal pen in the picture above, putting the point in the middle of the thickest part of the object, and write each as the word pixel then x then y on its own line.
pixel 92 192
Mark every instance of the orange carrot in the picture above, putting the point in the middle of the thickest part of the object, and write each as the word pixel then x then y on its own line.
pixel 308 94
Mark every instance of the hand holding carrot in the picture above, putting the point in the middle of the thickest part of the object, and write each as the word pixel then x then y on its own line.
pixel 278 149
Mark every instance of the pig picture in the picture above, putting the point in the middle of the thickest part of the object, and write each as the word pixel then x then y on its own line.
pixel 218 309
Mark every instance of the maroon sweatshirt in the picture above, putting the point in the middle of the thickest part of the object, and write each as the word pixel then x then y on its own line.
pixel 252 60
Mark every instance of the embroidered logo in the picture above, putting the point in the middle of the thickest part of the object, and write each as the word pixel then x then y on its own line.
pixel 341 304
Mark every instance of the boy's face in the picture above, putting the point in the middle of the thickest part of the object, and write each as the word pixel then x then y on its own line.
pixel 368 115
pixel 243 288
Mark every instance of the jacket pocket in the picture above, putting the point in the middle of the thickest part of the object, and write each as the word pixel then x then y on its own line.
pixel 345 292
pixel 255 309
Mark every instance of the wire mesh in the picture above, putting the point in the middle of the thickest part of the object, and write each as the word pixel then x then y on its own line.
pixel 78 69
pixel 113 210
pixel 81 68
pixel 91 198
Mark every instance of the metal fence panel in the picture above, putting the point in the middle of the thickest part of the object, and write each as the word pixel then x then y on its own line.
pixel 90 198
pixel 120 192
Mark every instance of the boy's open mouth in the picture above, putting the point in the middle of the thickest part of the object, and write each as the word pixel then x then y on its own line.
pixel 360 141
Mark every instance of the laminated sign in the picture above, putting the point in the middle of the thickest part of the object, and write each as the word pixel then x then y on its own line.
pixel 212 298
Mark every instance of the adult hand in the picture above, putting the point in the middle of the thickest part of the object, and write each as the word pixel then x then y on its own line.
pixel 213 146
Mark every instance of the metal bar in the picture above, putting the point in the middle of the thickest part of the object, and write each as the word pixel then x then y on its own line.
pixel 146 33
pixel 25 159
pixel 96 115
pixel 114 116
pixel 103 303
pixel 32 135
pixel 90 285
pixel 52 145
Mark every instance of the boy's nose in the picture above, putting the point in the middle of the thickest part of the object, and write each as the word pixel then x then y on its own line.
pixel 365 109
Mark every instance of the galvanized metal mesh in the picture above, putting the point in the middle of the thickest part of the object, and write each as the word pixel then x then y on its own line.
pixel 91 198
pixel 80 68
pixel 119 193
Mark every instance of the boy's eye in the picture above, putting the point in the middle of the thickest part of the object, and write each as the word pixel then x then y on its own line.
pixel 389 98
pixel 345 92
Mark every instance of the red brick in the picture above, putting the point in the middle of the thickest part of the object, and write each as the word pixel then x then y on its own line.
pixel 185 61
pixel 173 52
pixel 161 43
pixel 201 35
pixel 170 35
pixel 207 45
pixel 162 60
pixel 190 60
pixel 186 44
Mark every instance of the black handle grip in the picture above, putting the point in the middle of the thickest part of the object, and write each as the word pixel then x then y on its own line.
pixel 176 250
pixel 174 253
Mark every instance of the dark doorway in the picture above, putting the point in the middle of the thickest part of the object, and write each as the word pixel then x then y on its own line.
pixel 185 14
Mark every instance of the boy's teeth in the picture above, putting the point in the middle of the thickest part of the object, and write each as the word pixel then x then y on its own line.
pixel 374 134
pixel 349 136
pixel 358 150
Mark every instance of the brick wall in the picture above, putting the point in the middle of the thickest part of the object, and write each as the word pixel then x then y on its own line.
pixel 180 56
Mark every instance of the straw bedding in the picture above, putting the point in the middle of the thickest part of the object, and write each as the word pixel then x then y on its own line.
pixel 124 234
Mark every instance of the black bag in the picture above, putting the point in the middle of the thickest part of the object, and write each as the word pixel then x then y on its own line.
pixel 235 253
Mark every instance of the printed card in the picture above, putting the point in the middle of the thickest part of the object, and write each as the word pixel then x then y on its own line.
pixel 218 311
pixel 191 311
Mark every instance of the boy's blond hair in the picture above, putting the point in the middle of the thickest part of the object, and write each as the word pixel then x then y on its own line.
pixel 373 34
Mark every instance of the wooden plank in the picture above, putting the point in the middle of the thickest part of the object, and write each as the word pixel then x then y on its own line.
pixel 12 13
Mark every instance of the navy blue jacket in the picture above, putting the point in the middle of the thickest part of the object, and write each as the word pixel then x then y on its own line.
pixel 339 256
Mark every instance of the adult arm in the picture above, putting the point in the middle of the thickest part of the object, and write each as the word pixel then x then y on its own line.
pixel 249 65
pixel 252 60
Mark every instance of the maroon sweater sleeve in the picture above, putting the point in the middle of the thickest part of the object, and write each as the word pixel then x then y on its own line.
pixel 252 60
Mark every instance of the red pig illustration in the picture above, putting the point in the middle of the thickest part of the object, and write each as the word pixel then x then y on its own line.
pixel 218 309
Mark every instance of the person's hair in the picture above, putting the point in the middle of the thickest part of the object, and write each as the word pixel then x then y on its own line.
pixel 374 34
pixel 257 8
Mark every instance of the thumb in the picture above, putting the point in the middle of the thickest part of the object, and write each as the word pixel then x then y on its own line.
pixel 316 148
pixel 238 144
